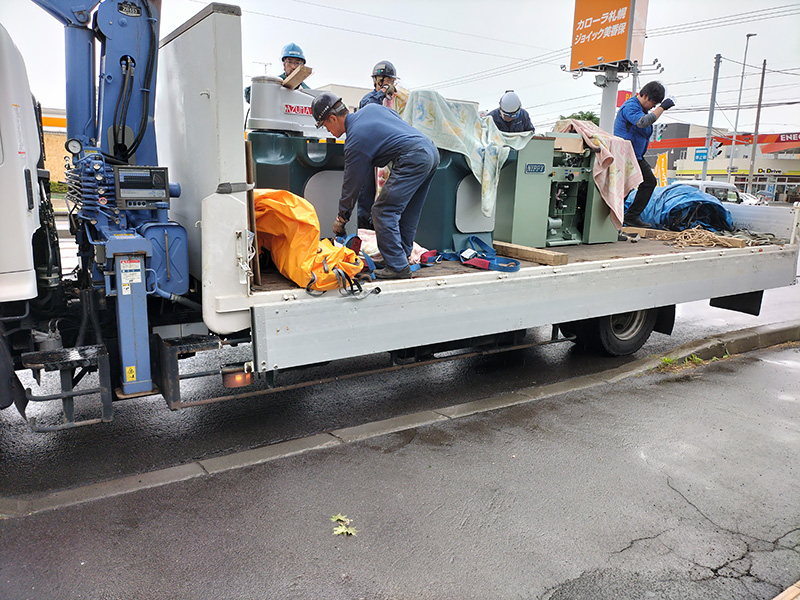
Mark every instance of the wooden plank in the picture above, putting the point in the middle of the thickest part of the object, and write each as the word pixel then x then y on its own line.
pixel 297 77
pixel 790 593
pixel 642 231
pixel 537 255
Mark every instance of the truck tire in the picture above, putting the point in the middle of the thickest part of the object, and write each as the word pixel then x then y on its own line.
pixel 622 334
pixel 617 335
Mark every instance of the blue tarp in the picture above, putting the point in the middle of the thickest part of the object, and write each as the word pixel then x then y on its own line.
pixel 680 206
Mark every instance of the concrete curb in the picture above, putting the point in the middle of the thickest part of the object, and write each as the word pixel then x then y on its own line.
pixel 736 342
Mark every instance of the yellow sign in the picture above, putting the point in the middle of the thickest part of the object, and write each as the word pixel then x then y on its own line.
pixel 130 373
pixel 607 31
pixel 661 169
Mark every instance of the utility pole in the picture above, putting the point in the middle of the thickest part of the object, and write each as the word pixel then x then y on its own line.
pixel 717 59
pixel 755 133
pixel 608 106
pixel 731 176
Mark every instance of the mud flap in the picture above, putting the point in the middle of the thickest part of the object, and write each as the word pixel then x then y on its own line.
pixel 749 303
pixel 11 390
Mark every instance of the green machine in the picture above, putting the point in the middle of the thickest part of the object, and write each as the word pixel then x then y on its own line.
pixel 547 196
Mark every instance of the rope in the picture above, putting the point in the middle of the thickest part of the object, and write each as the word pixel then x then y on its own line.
pixel 697 236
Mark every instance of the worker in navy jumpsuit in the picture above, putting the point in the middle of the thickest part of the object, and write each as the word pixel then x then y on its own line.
pixel 376 136
pixel 384 88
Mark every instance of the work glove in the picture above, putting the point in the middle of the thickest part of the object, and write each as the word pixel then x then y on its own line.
pixel 389 89
pixel 338 227
pixel 667 103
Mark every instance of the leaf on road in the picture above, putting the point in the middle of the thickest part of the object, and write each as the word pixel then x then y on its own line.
pixel 340 518
pixel 344 530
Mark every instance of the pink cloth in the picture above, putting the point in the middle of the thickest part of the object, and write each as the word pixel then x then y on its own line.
pixel 616 170
pixel 369 245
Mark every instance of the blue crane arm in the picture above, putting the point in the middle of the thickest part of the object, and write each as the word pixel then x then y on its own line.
pixel 112 112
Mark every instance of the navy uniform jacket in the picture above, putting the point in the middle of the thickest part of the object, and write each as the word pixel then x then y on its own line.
pixel 625 126
pixel 373 97
pixel 521 123
pixel 376 136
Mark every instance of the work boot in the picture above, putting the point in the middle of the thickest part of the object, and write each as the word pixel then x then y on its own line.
pixel 389 273
pixel 635 221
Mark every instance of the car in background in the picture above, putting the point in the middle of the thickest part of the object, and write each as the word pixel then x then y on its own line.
pixel 751 199
pixel 721 190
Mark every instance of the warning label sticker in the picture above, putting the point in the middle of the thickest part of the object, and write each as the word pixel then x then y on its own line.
pixel 130 270
pixel 130 373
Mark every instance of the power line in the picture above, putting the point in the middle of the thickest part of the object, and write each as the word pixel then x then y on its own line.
pixel 776 12
pixel 383 36
pixel 726 21
pixel 496 72
pixel 759 67
pixel 363 14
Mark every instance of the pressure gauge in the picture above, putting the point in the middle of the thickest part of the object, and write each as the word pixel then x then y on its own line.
pixel 73 146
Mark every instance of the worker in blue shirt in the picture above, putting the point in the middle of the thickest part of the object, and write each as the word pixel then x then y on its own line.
pixel 292 57
pixel 383 77
pixel 376 135
pixel 634 122
pixel 510 117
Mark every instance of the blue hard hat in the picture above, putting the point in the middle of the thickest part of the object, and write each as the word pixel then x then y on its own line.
pixel 292 50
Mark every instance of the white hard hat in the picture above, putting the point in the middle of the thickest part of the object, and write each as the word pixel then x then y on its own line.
pixel 510 102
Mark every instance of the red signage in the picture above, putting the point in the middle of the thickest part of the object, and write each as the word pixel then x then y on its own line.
pixel 296 109
pixel 623 97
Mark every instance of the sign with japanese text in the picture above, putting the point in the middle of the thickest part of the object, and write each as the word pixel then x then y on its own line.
pixel 607 31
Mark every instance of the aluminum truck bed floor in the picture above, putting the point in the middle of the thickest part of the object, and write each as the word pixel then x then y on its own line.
pixel 274 281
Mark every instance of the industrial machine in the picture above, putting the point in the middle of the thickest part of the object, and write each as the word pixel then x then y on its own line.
pixel 547 196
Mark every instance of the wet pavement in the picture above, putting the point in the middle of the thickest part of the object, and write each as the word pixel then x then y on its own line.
pixel 667 485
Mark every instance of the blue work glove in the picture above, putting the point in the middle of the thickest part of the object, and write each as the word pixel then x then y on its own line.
pixel 667 103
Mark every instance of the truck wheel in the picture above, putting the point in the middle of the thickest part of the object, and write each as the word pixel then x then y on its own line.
pixel 622 334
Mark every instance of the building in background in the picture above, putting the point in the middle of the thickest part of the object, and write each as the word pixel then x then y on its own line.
pixel 776 171
pixel 54 124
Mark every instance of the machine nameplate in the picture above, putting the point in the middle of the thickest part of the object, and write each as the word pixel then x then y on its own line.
pixel 296 109
pixel 534 168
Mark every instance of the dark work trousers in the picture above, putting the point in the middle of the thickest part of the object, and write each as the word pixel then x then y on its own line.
pixel 366 198
pixel 398 206
pixel 644 191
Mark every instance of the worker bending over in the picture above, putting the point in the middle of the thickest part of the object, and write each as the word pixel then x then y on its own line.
pixel 634 122
pixel 377 136
pixel 510 117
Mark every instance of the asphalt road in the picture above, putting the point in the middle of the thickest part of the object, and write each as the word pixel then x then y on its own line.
pixel 146 436
pixel 669 485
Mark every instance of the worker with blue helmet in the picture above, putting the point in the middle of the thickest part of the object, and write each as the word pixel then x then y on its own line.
pixel 292 57
pixel 510 117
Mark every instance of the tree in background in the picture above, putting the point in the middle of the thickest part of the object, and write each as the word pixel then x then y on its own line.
pixel 584 115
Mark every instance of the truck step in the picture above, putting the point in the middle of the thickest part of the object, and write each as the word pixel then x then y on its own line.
pixel 66 361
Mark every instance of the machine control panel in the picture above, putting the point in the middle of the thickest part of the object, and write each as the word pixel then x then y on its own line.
pixel 140 187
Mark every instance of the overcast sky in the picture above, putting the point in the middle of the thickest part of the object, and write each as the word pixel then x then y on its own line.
pixel 489 46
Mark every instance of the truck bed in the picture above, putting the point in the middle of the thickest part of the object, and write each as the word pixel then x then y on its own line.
pixel 273 281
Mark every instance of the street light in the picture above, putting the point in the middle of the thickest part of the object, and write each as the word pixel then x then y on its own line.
pixel 738 105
